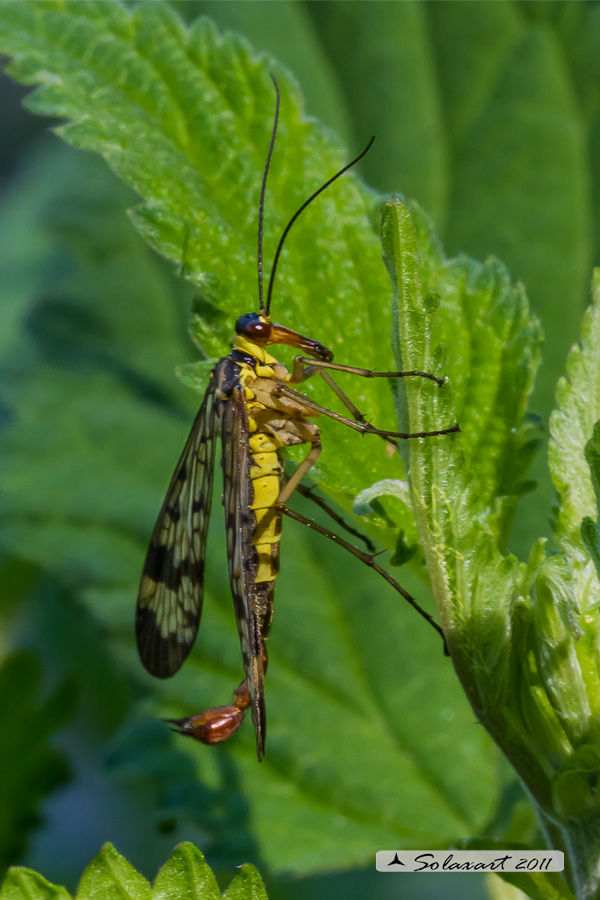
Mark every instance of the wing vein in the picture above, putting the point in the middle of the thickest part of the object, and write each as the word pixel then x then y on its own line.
pixel 172 586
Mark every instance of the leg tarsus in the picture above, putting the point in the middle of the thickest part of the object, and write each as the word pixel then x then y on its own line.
pixel 370 429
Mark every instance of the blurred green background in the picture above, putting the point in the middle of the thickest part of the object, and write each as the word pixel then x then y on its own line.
pixel 487 115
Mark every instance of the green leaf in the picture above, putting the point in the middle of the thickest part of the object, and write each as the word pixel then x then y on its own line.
pixel 538 885
pixel 182 115
pixel 589 527
pixel 247 884
pixel 94 375
pixel 399 101
pixel 185 876
pixel 462 523
pixel 496 350
pixel 486 114
pixel 98 332
pixel 284 31
pixel 110 877
pixel 571 426
pixel 30 768
pixel 24 884
pixel 520 154
pixel 573 592
pixel 316 800
pixel 523 638
pixel 196 109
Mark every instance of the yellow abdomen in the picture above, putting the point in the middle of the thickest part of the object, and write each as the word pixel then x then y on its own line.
pixel 265 474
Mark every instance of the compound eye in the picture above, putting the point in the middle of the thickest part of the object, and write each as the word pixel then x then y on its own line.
pixel 251 327
pixel 260 330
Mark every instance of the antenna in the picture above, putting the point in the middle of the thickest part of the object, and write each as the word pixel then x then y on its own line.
pixel 297 213
pixel 261 206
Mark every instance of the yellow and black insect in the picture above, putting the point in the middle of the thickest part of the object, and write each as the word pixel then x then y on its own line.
pixel 251 406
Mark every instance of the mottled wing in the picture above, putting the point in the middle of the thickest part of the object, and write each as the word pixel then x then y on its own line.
pixel 172 585
pixel 241 555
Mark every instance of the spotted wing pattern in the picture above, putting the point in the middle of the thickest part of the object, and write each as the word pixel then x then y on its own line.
pixel 171 589
pixel 241 555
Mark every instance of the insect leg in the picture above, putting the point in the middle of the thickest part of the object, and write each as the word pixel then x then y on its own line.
pixel 306 464
pixel 369 561
pixel 308 493
pixel 363 427
pixel 304 368
pixel 355 412
pixel 313 370
pixel 294 483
